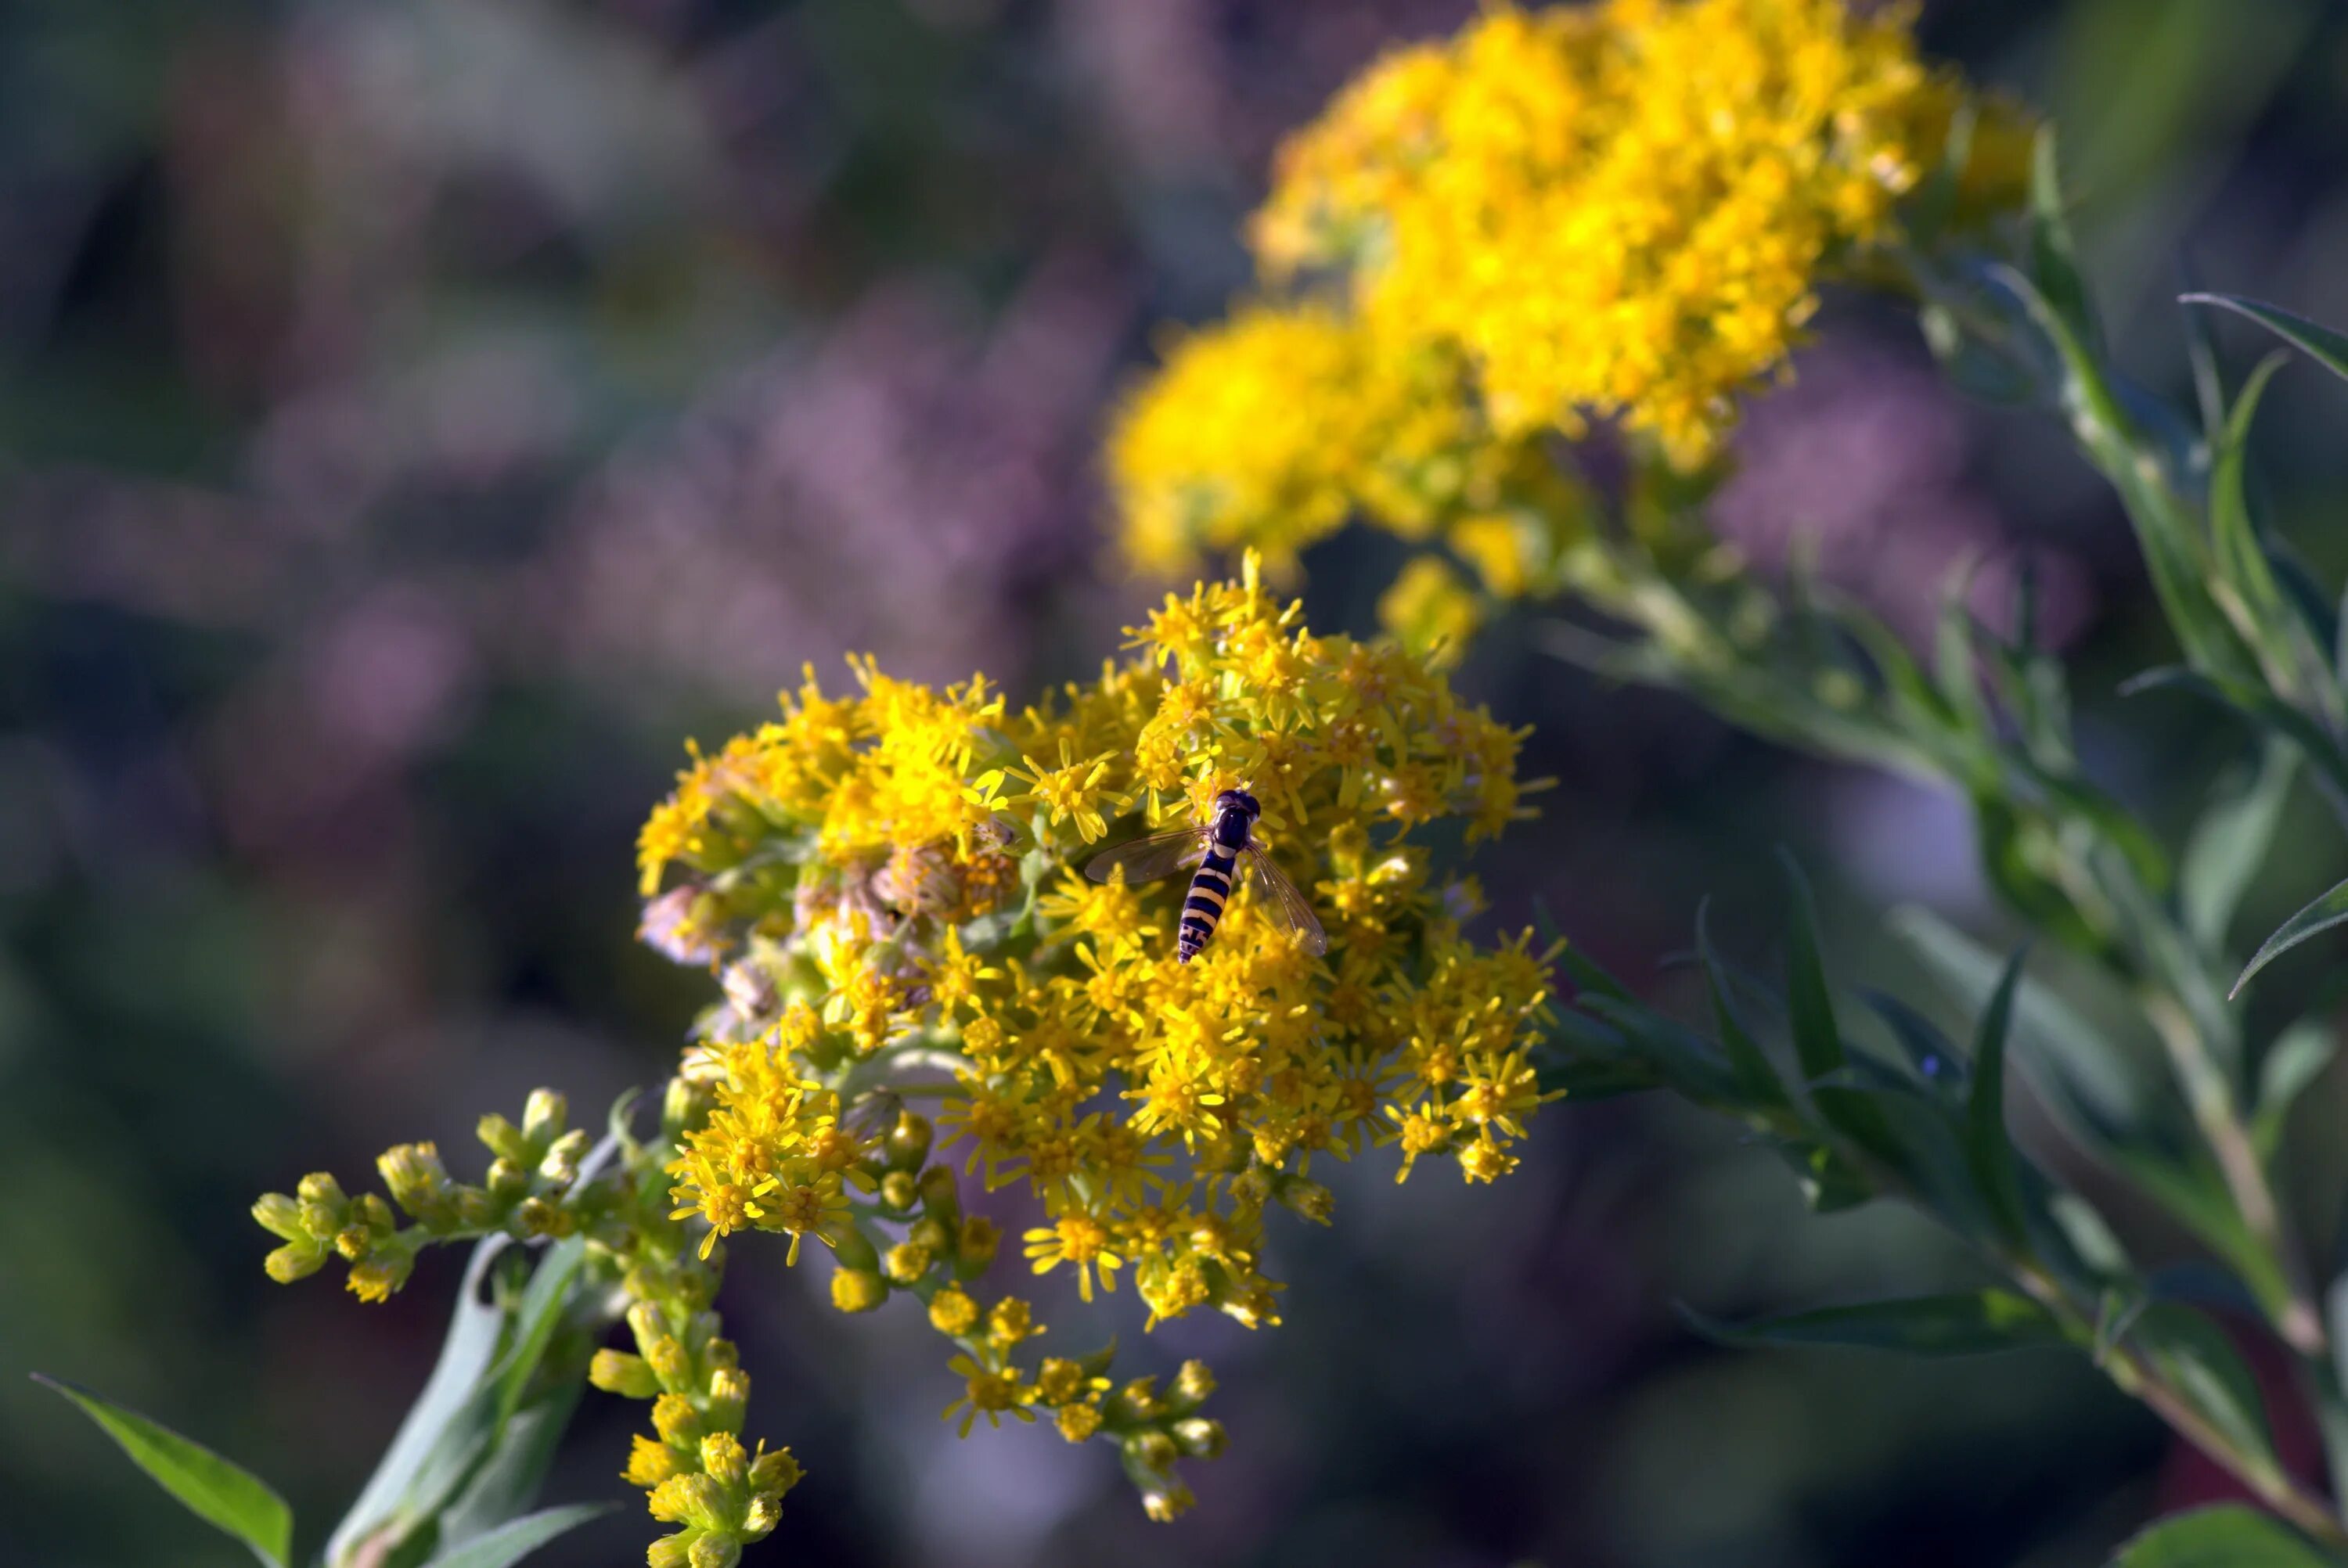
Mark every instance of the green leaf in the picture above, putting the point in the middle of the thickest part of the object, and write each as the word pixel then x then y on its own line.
pixel 2230 842
pixel 2054 259
pixel 2080 1072
pixel 536 1318
pixel 2319 343
pixel 2317 917
pixel 221 1494
pixel 2230 1536
pixel 1756 1076
pixel 1987 1144
pixel 2296 1058
pixel 1809 1013
pixel 448 1416
pixel 512 1541
pixel 2194 1356
pixel 1965 1324
pixel 2232 529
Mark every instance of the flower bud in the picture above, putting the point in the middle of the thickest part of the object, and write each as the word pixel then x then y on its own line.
pixel 774 1472
pixel 931 1235
pixel 354 1242
pixel 545 1116
pixel 899 1190
pixel 717 1549
pixel 909 1140
pixel 976 1247
pixel 651 1463
pixel 1193 1383
pixel 724 1459
pixel 670 1551
pixel 1311 1199
pixel 617 1372
pixel 854 1248
pixel 419 1182
pixel 294 1260
pixel 952 1311
pixel 760 1517
pixel 502 1139
pixel 320 1187
pixel 506 1182
pixel 281 1216
pixel 1151 1451
pixel 670 1362
pixel 941 1195
pixel 1077 1422
pixel 1200 1437
pixel 1138 1400
pixel 676 1420
pixel 380 1275
pixel 730 1397
pixel 906 1262
pixel 684 1106
pixel 1167 1503
pixel 646 1322
pixel 560 1163
pixel 857 1289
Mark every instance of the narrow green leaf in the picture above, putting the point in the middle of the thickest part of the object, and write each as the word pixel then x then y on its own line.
pixel 512 1541
pixel 2081 1073
pixel 1809 1005
pixel 2054 259
pixel 536 1319
pixel 447 1419
pixel 2230 1536
pixel 222 1494
pixel 2231 843
pixel 1986 1142
pixel 2318 342
pixel 1751 1067
pixel 2316 918
pixel 2209 385
pixel 2196 1359
pixel 1809 1014
pixel 2231 526
pixel 2296 1058
pixel 1969 1323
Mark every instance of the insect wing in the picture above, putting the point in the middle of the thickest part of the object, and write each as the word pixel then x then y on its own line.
pixel 1277 893
pixel 1147 859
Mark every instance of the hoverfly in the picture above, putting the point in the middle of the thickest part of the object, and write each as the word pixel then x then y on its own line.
pixel 1216 845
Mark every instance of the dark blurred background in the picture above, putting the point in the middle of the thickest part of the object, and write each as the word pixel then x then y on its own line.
pixel 416 419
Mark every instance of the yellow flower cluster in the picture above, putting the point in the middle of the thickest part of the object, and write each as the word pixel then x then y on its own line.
pixel 1620 210
pixel 891 884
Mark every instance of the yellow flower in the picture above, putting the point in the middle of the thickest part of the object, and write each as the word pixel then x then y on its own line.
pixel 987 1392
pixel 1078 1239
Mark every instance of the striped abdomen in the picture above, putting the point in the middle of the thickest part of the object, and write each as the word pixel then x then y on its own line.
pixel 1211 886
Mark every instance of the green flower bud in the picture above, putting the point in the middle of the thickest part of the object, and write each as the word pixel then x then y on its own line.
pixel 617 1372
pixel 717 1549
pixel 909 1140
pixel 898 1189
pixel 504 1138
pixel 941 1196
pixel 1193 1383
pixel 1151 1451
pixel 729 1398
pixel 294 1260
pixel 543 1117
pixel 774 1472
pixel 906 1262
pixel 281 1216
pixel 1200 1437
pixel 931 1235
